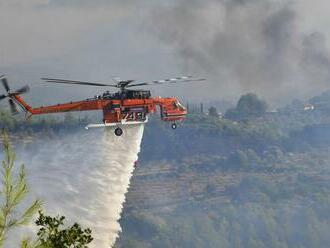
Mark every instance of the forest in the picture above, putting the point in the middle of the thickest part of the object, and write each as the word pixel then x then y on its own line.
pixel 248 178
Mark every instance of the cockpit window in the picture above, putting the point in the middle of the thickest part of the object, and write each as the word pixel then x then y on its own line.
pixel 178 105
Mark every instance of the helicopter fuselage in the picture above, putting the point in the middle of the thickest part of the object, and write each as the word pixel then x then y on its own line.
pixel 124 107
pixel 121 107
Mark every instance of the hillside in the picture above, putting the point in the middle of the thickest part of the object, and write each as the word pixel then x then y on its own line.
pixel 256 182
pixel 262 182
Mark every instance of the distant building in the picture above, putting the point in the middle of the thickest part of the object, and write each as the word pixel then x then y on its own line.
pixel 309 107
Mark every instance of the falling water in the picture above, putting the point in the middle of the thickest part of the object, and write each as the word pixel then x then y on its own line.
pixel 84 177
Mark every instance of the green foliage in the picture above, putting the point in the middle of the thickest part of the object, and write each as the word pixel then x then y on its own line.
pixel 14 190
pixel 53 234
pixel 239 159
pixel 248 106
pixel 229 183
pixel 46 125
pixel 251 104
pixel 261 182
pixel 213 112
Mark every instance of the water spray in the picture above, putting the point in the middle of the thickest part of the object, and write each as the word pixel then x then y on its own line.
pixel 85 177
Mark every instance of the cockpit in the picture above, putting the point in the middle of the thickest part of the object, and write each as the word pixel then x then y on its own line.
pixel 178 105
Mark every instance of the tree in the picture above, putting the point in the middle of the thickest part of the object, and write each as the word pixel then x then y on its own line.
pixel 239 159
pixel 6 120
pixel 53 234
pixel 249 105
pixel 213 112
pixel 14 190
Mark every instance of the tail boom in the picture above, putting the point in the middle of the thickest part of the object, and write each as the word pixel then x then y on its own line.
pixel 66 107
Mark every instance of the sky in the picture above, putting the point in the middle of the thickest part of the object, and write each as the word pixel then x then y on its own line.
pixel 276 48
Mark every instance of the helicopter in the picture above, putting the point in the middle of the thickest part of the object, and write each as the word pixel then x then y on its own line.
pixel 125 107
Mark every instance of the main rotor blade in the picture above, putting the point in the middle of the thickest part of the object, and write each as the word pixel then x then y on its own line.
pixel 13 107
pixel 192 80
pixel 133 85
pixel 178 80
pixel 5 83
pixel 22 90
pixel 63 81
pixel 2 97
pixel 170 80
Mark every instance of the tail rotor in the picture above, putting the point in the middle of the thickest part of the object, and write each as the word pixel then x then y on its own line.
pixel 10 94
pixel 13 107
pixel 5 83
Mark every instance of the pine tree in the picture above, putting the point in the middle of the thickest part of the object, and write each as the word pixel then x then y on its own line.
pixel 13 192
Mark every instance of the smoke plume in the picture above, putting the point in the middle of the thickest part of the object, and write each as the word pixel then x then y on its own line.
pixel 84 177
pixel 245 45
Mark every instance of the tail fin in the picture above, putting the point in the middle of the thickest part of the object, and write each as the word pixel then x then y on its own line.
pixel 14 96
pixel 26 107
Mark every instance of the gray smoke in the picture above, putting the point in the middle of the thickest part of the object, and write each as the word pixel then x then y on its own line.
pixel 245 45
pixel 84 177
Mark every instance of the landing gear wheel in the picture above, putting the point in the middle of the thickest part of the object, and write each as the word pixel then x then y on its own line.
pixel 173 126
pixel 118 131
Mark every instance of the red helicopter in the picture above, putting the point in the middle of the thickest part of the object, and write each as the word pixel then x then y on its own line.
pixel 124 107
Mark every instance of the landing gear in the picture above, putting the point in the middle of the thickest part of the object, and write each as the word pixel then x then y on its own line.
pixel 173 126
pixel 118 131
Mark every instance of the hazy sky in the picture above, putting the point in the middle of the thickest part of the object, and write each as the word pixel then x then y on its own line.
pixel 274 48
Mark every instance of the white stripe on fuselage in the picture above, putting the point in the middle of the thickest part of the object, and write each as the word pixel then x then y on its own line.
pixel 116 124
